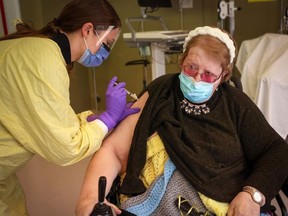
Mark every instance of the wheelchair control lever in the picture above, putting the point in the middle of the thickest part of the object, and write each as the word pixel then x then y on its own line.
pixel 101 209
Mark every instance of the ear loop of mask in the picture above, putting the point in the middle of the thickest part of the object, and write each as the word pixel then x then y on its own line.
pixel 85 43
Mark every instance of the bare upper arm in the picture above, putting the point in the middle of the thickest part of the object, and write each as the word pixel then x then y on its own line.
pixel 121 137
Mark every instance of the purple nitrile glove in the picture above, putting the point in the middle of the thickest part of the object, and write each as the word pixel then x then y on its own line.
pixel 92 117
pixel 128 111
pixel 115 103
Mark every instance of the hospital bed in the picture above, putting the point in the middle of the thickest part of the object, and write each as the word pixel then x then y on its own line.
pixel 262 63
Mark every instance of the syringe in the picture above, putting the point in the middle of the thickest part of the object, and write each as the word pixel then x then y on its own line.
pixel 133 95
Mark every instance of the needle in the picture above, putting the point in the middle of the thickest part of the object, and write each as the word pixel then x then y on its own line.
pixel 134 96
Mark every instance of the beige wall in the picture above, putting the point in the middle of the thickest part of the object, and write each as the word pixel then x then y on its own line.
pixel 53 190
pixel 32 12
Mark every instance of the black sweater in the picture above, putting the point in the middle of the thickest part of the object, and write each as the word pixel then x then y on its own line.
pixel 219 152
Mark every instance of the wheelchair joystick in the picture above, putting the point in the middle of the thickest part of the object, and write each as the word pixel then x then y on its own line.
pixel 101 209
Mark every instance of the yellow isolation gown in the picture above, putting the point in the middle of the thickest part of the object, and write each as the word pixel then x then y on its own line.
pixel 36 116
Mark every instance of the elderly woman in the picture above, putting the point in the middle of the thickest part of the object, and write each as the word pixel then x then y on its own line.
pixel 199 144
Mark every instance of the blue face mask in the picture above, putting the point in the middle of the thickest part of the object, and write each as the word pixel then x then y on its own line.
pixel 196 92
pixel 89 59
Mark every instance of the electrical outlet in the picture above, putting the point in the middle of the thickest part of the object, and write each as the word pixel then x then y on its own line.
pixel 186 3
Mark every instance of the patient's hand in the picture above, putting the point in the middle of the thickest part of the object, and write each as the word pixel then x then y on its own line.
pixel 243 205
pixel 116 211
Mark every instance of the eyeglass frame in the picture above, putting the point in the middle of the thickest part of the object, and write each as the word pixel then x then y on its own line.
pixel 216 78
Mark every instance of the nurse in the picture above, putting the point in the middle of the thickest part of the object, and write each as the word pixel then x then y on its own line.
pixel 35 114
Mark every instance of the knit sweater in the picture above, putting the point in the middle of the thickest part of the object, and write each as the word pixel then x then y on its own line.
pixel 219 152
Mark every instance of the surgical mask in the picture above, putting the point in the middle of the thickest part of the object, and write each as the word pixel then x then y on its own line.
pixel 196 92
pixel 89 59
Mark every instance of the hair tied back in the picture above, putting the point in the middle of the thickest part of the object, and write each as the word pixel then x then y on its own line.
pixel 56 22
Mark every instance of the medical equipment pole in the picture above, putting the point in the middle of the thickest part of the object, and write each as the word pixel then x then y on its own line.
pixel 283 19
pixel 231 17
pixel 158 63
pixel 94 88
pixel 3 17
pixel 227 9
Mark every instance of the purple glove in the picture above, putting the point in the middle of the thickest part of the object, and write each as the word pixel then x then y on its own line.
pixel 92 117
pixel 128 111
pixel 115 103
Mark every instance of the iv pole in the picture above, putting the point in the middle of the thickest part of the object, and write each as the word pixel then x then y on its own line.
pixel 227 9
pixel 3 17
pixel 284 19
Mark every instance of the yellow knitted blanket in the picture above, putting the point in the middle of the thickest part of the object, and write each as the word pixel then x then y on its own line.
pixel 154 167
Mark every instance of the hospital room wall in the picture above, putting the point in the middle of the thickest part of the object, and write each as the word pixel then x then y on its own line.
pixel 53 190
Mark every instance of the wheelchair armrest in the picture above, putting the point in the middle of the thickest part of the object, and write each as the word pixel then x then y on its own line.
pixel 281 204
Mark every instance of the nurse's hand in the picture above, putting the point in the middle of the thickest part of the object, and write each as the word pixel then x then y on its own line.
pixel 116 107
pixel 115 103
pixel 128 111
